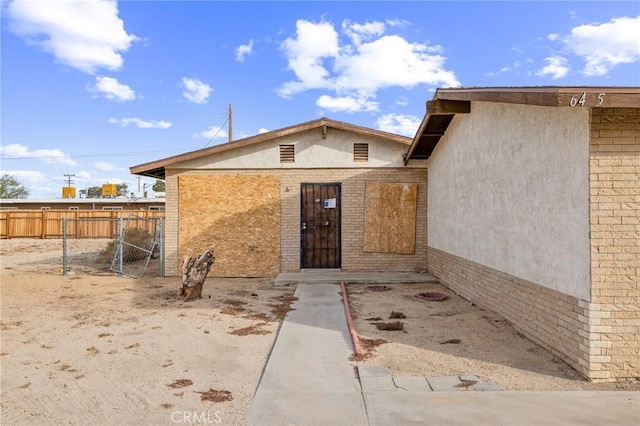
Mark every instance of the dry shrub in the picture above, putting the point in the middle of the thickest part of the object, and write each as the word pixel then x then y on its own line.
pixel 139 237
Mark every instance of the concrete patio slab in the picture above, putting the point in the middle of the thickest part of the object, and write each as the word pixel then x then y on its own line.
pixel 412 384
pixel 377 384
pixel 335 277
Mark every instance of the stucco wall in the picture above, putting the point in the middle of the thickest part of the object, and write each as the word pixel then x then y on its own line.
pixel 509 189
pixel 311 151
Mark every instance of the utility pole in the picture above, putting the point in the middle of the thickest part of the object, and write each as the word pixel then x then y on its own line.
pixel 230 123
pixel 69 181
pixel 139 177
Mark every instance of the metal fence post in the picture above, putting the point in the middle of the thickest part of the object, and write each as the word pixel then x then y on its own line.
pixel 64 246
pixel 161 247
pixel 120 247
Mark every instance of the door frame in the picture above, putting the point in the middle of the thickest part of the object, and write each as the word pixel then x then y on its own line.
pixel 338 185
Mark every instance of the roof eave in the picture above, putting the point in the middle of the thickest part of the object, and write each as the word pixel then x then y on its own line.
pixel 550 96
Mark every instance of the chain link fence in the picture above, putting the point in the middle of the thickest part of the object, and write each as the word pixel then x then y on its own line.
pixel 100 246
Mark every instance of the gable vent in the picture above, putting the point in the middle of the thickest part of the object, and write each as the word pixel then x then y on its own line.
pixel 287 154
pixel 361 152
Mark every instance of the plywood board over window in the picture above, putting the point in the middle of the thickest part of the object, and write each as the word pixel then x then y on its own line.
pixel 390 217
pixel 239 216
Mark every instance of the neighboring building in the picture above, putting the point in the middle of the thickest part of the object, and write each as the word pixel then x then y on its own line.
pixel 321 194
pixel 116 204
pixel 534 213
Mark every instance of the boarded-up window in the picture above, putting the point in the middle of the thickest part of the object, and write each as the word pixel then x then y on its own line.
pixel 238 215
pixel 360 152
pixel 390 217
pixel 287 154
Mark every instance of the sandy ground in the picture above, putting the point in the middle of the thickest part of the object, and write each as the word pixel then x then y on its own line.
pixel 100 349
pixel 454 337
pixel 103 350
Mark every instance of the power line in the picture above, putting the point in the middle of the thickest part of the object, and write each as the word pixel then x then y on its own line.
pixel 219 130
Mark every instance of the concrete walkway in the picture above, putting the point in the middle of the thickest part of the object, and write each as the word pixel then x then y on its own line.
pixel 310 380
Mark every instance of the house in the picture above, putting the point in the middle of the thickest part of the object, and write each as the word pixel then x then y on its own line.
pixel 534 213
pixel 531 196
pixel 321 194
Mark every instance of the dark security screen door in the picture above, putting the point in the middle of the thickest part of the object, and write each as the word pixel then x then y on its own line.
pixel 320 225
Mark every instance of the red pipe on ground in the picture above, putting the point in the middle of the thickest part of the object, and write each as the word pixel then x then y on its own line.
pixel 352 329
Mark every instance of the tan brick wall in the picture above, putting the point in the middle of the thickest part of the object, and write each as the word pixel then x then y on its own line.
pixel 614 311
pixel 353 202
pixel 554 320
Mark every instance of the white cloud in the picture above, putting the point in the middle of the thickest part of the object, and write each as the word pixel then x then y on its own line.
pixel 110 88
pixel 556 67
pixel 83 175
pixel 48 156
pixel 86 35
pixel 359 32
pixel 360 64
pixel 402 100
pixel 213 132
pixel 195 90
pixel 603 46
pixel 305 54
pixel 406 125
pixel 105 167
pixel 262 130
pixel 244 50
pixel 28 177
pixel 347 103
pixel 552 37
pixel 142 124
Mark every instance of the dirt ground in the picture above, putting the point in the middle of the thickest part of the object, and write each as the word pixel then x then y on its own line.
pixel 454 337
pixel 100 349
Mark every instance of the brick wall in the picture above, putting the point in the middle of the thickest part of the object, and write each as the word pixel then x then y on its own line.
pixel 551 319
pixel 353 201
pixel 614 311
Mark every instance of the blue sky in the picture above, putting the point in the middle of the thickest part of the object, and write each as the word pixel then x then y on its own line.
pixel 91 88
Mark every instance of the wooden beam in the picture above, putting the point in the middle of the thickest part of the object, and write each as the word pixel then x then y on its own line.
pixel 438 107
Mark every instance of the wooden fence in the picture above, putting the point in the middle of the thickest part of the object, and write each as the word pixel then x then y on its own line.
pixel 48 223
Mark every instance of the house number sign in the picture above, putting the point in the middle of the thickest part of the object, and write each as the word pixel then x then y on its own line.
pixel 583 100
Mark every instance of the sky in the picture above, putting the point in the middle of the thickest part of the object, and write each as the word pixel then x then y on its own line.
pixel 91 88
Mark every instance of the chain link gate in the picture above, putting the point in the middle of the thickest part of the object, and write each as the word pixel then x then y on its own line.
pixel 100 246
pixel 140 240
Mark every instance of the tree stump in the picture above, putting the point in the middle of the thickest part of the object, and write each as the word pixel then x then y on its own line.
pixel 194 274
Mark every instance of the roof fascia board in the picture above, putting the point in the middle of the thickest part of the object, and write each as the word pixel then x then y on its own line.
pixel 445 106
pixel 416 138
pixel 594 96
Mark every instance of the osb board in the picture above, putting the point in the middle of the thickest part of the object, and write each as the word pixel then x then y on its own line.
pixel 390 217
pixel 237 215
